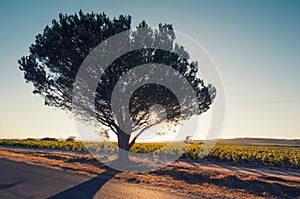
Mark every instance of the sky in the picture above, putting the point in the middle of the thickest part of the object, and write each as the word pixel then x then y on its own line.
pixel 255 45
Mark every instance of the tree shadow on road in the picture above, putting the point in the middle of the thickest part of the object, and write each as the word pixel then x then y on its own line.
pixel 87 189
pixel 9 185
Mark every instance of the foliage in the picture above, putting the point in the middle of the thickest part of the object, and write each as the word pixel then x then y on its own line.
pixel 49 139
pixel 40 144
pixel 71 139
pixel 57 54
pixel 288 157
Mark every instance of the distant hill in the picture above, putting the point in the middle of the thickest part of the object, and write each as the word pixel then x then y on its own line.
pixel 256 141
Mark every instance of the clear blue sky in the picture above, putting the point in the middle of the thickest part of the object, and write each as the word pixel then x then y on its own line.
pixel 255 44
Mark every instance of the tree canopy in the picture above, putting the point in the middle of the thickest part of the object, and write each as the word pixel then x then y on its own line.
pixel 58 52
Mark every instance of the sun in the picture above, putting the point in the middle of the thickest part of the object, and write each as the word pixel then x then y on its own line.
pixel 156 113
pixel 153 117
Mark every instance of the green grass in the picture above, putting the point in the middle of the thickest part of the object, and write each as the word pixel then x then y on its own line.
pixel 288 157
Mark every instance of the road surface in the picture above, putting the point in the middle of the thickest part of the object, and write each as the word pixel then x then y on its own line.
pixel 19 180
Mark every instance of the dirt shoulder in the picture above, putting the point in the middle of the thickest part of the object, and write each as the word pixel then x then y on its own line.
pixel 202 179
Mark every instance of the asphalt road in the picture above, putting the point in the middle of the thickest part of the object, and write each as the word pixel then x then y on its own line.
pixel 19 180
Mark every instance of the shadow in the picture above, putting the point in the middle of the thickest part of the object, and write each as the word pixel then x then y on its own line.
pixel 253 186
pixel 6 186
pixel 278 171
pixel 87 189
pixel 264 172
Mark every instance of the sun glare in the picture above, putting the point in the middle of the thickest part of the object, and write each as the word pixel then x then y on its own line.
pixel 153 117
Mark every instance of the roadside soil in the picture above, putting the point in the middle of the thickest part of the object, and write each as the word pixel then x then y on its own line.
pixel 202 179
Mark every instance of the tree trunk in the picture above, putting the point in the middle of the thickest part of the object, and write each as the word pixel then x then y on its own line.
pixel 123 146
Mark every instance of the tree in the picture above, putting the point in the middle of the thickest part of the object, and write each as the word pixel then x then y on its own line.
pixel 188 140
pixel 49 139
pixel 57 54
pixel 70 139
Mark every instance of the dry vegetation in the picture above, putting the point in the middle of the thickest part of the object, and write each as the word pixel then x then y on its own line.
pixel 200 178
